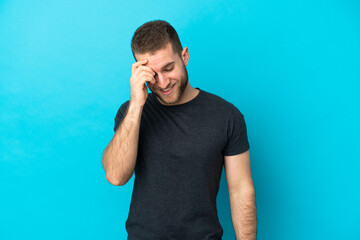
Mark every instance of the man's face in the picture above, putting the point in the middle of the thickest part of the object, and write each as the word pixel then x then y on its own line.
pixel 171 76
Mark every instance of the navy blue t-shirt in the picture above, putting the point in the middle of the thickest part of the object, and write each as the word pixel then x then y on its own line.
pixel 179 164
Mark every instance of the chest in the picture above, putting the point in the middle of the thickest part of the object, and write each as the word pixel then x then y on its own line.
pixel 184 139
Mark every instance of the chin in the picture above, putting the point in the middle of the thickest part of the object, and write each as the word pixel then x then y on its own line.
pixel 169 100
pixel 172 99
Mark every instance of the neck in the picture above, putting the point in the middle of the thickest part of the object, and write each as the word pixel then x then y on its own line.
pixel 189 94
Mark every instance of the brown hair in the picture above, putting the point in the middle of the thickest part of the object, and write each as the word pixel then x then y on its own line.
pixel 154 35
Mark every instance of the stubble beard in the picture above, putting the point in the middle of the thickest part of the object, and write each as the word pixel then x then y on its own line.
pixel 183 83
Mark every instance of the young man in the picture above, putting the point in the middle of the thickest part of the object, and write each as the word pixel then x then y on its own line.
pixel 177 140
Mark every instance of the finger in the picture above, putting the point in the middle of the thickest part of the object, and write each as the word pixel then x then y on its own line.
pixel 147 75
pixel 138 63
pixel 145 69
pixel 139 78
pixel 149 79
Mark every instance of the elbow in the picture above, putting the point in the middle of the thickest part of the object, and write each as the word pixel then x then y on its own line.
pixel 116 181
pixel 116 178
pixel 110 177
pixel 243 190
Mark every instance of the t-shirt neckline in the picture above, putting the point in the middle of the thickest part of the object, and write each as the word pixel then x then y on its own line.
pixel 192 101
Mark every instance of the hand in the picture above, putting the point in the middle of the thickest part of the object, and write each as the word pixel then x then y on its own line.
pixel 139 75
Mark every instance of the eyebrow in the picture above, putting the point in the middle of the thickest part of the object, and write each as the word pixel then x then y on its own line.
pixel 168 64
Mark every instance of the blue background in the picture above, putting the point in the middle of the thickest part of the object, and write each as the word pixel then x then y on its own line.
pixel 291 67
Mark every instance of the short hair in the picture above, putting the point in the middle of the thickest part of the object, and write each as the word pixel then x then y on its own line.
pixel 153 36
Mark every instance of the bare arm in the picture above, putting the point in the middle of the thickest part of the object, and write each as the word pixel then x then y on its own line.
pixel 243 212
pixel 242 195
pixel 119 157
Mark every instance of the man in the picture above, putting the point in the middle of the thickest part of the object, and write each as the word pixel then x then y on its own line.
pixel 177 139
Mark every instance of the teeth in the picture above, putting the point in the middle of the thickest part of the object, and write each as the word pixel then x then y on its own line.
pixel 165 90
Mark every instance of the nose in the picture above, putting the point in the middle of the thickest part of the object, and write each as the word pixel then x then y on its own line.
pixel 162 81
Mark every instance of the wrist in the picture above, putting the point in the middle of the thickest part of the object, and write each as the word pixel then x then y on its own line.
pixel 135 107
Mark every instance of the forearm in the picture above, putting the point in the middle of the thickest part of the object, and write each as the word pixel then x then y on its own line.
pixel 120 155
pixel 243 213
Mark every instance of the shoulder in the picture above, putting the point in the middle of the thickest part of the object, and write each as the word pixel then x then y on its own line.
pixel 120 114
pixel 123 107
pixel 219 103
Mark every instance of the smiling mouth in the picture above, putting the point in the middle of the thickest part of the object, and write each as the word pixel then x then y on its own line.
pixel 167 91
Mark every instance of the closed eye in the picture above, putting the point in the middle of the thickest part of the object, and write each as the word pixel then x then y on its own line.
pixel 169 69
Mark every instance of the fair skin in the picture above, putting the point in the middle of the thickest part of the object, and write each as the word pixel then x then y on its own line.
pixel 242 195
pixel 161 71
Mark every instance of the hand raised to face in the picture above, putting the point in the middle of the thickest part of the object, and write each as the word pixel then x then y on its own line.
pixel 140 74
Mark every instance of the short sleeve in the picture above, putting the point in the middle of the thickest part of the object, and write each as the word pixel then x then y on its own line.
pixel 120 114
pixel 237 141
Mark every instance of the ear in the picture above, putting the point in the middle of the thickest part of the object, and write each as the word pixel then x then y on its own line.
pixel 185 55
